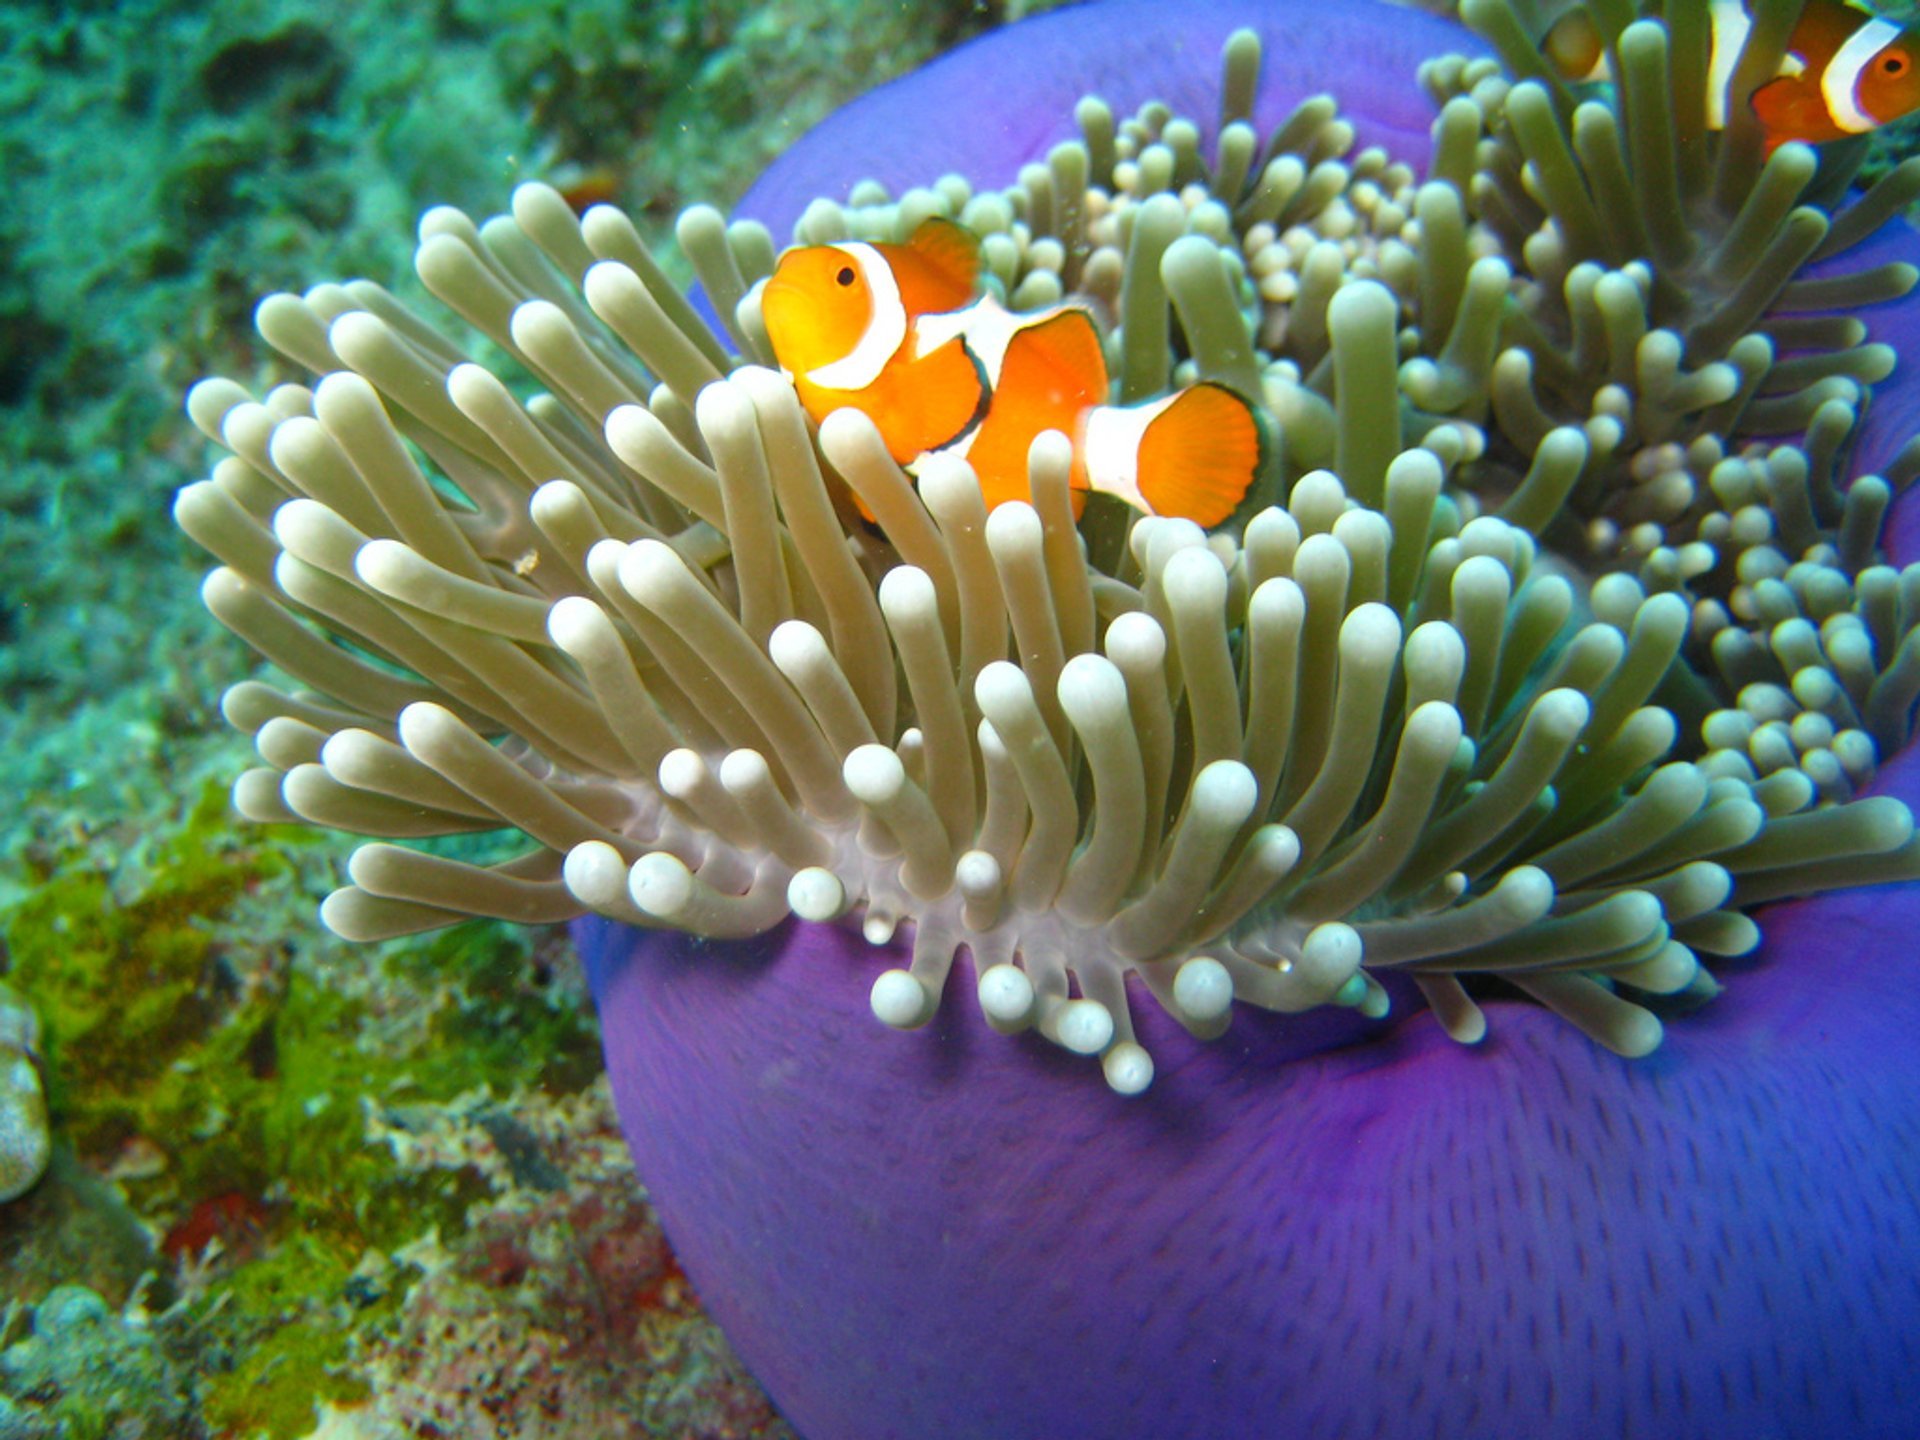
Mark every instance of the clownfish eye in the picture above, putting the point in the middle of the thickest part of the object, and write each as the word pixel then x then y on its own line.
pixel 845 277
pixel 1893 63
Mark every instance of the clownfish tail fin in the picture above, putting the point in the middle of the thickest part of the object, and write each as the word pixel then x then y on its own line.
pixel 1193 454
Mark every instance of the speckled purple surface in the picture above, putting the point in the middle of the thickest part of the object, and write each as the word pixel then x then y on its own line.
pixel 1301 1229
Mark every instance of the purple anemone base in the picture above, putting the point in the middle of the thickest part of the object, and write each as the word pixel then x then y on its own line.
pixel 952 1234
pixel 1316 1225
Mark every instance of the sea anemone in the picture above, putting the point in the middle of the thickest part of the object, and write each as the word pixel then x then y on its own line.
pixel 1438 718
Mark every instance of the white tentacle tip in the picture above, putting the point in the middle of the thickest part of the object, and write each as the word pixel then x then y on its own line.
pixel 1331 954
pixel 301 524
pixel 652 573
pixel 1012 527
pixel 681 772
pixel 1274 850
pixel 1003 692
pixel 744 771
pixel 816 894
pixel 1526 891
pixel 607 281
pixel 344 913
pixel 977 874
pixel 1195 577
pixel 1203 990
pixel 385 564
pixel 661 885
pixel 555 498
pixel 796 647
pixel 1091 688
pixel 1225 792
pixel 578 625
pixel 423 722
pixel 721 410
pixel 901 1001
pixel 1006 996
pixel 1135 640
pixel 907 594
pixel 1128 1068
pixel 1083 1026
pixel 874 774
pixel 594 874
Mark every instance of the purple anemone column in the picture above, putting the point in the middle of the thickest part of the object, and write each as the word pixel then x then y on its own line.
pixel 1313 1226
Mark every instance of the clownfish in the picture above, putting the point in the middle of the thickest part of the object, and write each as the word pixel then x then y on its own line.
pixel 1846 71
pixel 905 335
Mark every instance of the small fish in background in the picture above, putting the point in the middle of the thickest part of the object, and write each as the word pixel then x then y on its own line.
pixel 1847 70
pixel 904 334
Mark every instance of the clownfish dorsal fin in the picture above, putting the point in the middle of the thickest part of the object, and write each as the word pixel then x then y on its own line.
pixel 950 249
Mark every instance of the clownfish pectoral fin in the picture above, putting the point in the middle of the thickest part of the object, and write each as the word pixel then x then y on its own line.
pixel 1788 108
pixel 1192 455
pixel 927 403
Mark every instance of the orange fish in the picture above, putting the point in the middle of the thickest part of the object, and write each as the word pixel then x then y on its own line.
pixel 1846 71
pixel 903 334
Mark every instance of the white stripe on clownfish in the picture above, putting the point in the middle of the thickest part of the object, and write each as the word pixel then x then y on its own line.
pixel 1729 24
pixel 1838 76
pixel 1112 440
pixel 1730 27
pixel 963 376
pixel 1839 86
pixel 986 326
pixel 1110 434
pixel 862 365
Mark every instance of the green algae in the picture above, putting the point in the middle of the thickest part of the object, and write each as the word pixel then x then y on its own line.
pixel 124 987
pixel 91 1374
pixel 231 1079
pixel 163 1022
pixel 286 1342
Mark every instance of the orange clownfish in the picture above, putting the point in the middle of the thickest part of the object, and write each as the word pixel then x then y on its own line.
pixel 1846 71
pixel 904 334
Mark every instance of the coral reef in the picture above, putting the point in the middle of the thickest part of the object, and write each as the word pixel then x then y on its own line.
pixel 560 1311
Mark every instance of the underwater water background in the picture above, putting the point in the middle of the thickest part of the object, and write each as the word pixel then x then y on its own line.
pixel 308 1188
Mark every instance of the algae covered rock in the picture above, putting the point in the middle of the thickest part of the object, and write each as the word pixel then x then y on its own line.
pixel 25 1144
pixel 87 1370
